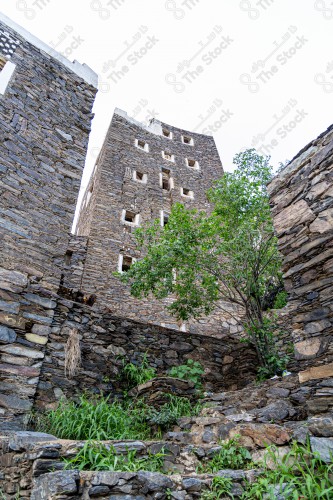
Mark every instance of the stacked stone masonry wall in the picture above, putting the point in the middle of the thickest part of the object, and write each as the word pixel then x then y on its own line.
pixel 302 206
pixel 45 123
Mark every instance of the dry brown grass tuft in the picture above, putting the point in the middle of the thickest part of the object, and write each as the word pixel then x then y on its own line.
pixel 72 354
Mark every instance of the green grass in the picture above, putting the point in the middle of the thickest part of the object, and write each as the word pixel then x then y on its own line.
pixel 96 419
pixel 220 487
pixel 230 456
pixel 98 457
pixel 99 419
pixel 133 375
pixel 300 474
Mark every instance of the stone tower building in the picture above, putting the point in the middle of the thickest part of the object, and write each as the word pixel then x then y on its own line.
pixel 140 173
pixel 45 110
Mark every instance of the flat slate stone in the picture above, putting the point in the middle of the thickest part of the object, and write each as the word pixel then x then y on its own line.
pixel 22 440
pixel 7 335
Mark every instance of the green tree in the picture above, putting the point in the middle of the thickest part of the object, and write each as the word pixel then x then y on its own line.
pixel 229 255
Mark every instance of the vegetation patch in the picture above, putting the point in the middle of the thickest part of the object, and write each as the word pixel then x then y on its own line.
pixel 191 371
pixel 99 419
pixel 230 456
pixel 99 457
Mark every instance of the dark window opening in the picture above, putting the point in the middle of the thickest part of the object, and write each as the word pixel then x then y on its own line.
pixel 166 132
pixel 165 219
pixel 191 163
pixel 187 140
pixel 127 262
pixel 186 192
pixel 141 144
pixel 165 179
pixel 139 176
pixel 68 257
pixel 129 216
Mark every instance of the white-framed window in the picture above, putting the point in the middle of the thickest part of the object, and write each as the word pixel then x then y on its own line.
pixel 186 139
pixel 166 181
pixel 164 217
pixel 140 177
pixel 130 218
pixel 168 156
pixel 167 133
pixel 143 145
pixel 7 69
pixel 192 163
pixel 187 193
pixel 125 262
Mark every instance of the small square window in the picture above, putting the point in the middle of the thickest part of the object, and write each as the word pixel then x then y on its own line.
pixel 139 177
pixel 187 140
pixel 192 163
pixel 131 218
pixel 165 218
pixel 124 263
pixel 167 133
pixel 186 192
pixel 168 156
pixel 142 145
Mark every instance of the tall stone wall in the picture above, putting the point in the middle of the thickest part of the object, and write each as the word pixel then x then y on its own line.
pixel 45 123
pixel 129 178
pixel 302 206
pixel 107 342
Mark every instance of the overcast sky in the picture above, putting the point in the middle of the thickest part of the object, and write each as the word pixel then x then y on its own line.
pixel 253 73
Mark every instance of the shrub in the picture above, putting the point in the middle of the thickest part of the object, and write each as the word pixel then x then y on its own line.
pixel 134 375
pixel 170 412
pixel 299 474
pixel 220 487
pixel 192 371
pixel 230 456
pixel 98 457
pixel 96 418
pixel 281 300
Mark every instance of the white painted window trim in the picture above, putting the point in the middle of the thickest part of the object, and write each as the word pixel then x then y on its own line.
pixel 170 136
pixel 162 214
pixel 136 222
pixel 120 262
pixel 5 75
pixel 191 143
pixel 143 180
pixel 172 159
pixel 171 182
pixel 146 146
pixel 190 195
pixel 196 164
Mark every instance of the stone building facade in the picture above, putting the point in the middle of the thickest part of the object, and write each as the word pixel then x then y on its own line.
pixel 45 109
pixel 302 206
pixel 140 173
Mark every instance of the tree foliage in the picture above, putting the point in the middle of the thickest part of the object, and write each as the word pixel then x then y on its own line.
pixel 230 254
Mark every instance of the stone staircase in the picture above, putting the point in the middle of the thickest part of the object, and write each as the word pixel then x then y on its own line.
pixel 274 412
